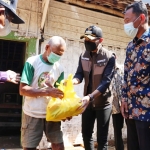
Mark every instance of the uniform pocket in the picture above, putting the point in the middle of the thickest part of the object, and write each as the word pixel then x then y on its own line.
pixel 98 68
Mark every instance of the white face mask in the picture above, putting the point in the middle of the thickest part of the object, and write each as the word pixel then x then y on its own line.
pixel 130 30
pixel 5 30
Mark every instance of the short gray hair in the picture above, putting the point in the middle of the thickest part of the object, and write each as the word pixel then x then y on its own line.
pixel 57 41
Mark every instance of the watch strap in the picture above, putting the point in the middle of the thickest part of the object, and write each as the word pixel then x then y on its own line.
pixel 91 97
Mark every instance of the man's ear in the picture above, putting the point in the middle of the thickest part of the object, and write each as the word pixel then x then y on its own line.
pixel 47 47
pixel 143 18
pixel 101 40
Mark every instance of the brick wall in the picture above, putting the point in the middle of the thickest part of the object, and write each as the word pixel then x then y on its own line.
pixel 30 12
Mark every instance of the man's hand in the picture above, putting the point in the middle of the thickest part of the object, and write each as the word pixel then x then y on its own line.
pixel 75 81
pixel 54 92
pixel 85 102
pixel 124 109
pixel 13 76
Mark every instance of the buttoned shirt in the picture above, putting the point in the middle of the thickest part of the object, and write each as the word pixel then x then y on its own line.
pixel 136 87
pixel 116 90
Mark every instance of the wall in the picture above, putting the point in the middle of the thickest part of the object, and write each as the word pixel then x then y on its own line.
pixel 30 12
pixel 70 22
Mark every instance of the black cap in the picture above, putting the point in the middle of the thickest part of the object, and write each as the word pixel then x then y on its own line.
pixel 12 5
pixel 92 33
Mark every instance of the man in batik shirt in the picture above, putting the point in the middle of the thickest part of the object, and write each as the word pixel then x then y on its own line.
pixel 135 105
pixel 117 117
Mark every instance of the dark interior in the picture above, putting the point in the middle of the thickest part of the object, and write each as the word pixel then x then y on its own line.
pixel 12 57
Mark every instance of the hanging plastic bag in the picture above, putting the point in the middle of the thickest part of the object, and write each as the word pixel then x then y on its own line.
pixel 59 109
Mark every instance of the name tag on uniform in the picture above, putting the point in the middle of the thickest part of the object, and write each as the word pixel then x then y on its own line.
pixel 84 58
pixel 103 60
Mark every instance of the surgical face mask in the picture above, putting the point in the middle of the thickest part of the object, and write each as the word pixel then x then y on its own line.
pixel 52 58
pixel 5 30
pixel 130 30
pixel 90 46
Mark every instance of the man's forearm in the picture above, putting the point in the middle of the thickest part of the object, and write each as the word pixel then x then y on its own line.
pixel 96 93
pixel 32 92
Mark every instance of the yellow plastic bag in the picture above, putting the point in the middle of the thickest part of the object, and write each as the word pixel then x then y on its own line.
pixel 60 109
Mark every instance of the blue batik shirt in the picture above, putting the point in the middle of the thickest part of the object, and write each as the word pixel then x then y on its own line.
pixel 136 87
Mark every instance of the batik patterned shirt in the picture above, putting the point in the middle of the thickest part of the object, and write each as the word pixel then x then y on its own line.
pixel 116 90
pixel 136 87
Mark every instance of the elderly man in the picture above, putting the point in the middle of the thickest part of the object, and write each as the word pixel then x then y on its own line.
pixel 7 15
pixel 96 67
pixel 135 105
pixel 38 83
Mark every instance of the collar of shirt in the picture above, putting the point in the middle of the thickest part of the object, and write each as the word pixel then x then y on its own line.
pixel 146 33
pixel 142 38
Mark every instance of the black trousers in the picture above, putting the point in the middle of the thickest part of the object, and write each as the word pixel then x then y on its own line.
pixel 138 135
pixel 88 119
pixel 118 121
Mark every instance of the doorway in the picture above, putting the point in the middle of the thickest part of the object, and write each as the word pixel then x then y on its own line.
pixel 12 57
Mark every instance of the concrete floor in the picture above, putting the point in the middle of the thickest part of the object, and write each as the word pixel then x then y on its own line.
pixel 81 148
pixel 67 148
pixel 11 143
pixel 8 142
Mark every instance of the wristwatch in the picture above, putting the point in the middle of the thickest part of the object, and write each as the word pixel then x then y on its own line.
pixel 91 97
